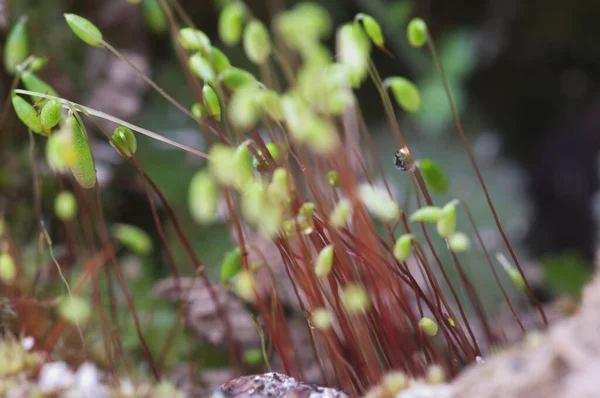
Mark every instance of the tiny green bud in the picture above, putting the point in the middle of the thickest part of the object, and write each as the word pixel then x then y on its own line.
pixel 435 177
pixel 340 214
pixel 85 30
pixel 260 162
pixel 406 93
pixel 305 218
pixel 125 140
pixel 372 28
pixel 231 22
pixel 417 32
pixel 451 322
pixel 202 68
pixel 257 43
pixel 8 270
pixel 333 178
pixel 211 101
pixel 253 356
pixel 83 168
pixel 235 78
pixel 50 114
pixel 65 206
pixel 403 246
pixel 38 63
pixel 154 16
pixel 427 214
pixel 321 318
pixel 203 198
pixel 459 242
pixel 324 262
pixel 194 40
pixel 243 285
pixel 16 47
pixel 27 114
pixel 355 299
pixel 446 225
pixel 512 271
pixel 231 265
pixel 436 374
pixel 199 111
pixel 428 326
pixel 378 202
pixel 394 382
pixel 35 84
pixel 219 60
pixel 75 309
pixel 133 238
pixel 220 164
pixel 354 50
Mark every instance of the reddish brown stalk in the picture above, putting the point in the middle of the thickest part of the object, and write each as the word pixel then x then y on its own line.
pixel 121 281
pixel 492 268
pixel 488 198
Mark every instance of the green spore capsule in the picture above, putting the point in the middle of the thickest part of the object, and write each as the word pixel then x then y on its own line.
pixel 194 40
pixel 235 78
pixel 82 167
pixel 133 238
pixel 459 242
pixel 333 179
pixel 16 48
pixel 402 247
pixel 257 43
pixel 231 265
pixel 35 84
pixel 219 60
pixel 203 197
pixel 428 326
pixel 199 111
pixel 27 114
pixel 427 214
pixel 125 140
pixel 405 92
pixel 260 162
pixel 435 177
pixel 372 29
pixel 85 30
pixel 231 23
pixel 50 115
pixel 211 101
pixel 324 262
pixel 8 270
pixel 417 32
pixel 154 16
pixel 75 309
pixel 65 206
pixel 202 67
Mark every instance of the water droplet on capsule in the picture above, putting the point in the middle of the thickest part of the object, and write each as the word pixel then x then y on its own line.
pixel 402 161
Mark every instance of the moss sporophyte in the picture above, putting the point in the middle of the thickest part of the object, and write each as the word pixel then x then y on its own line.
pixel 292 175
